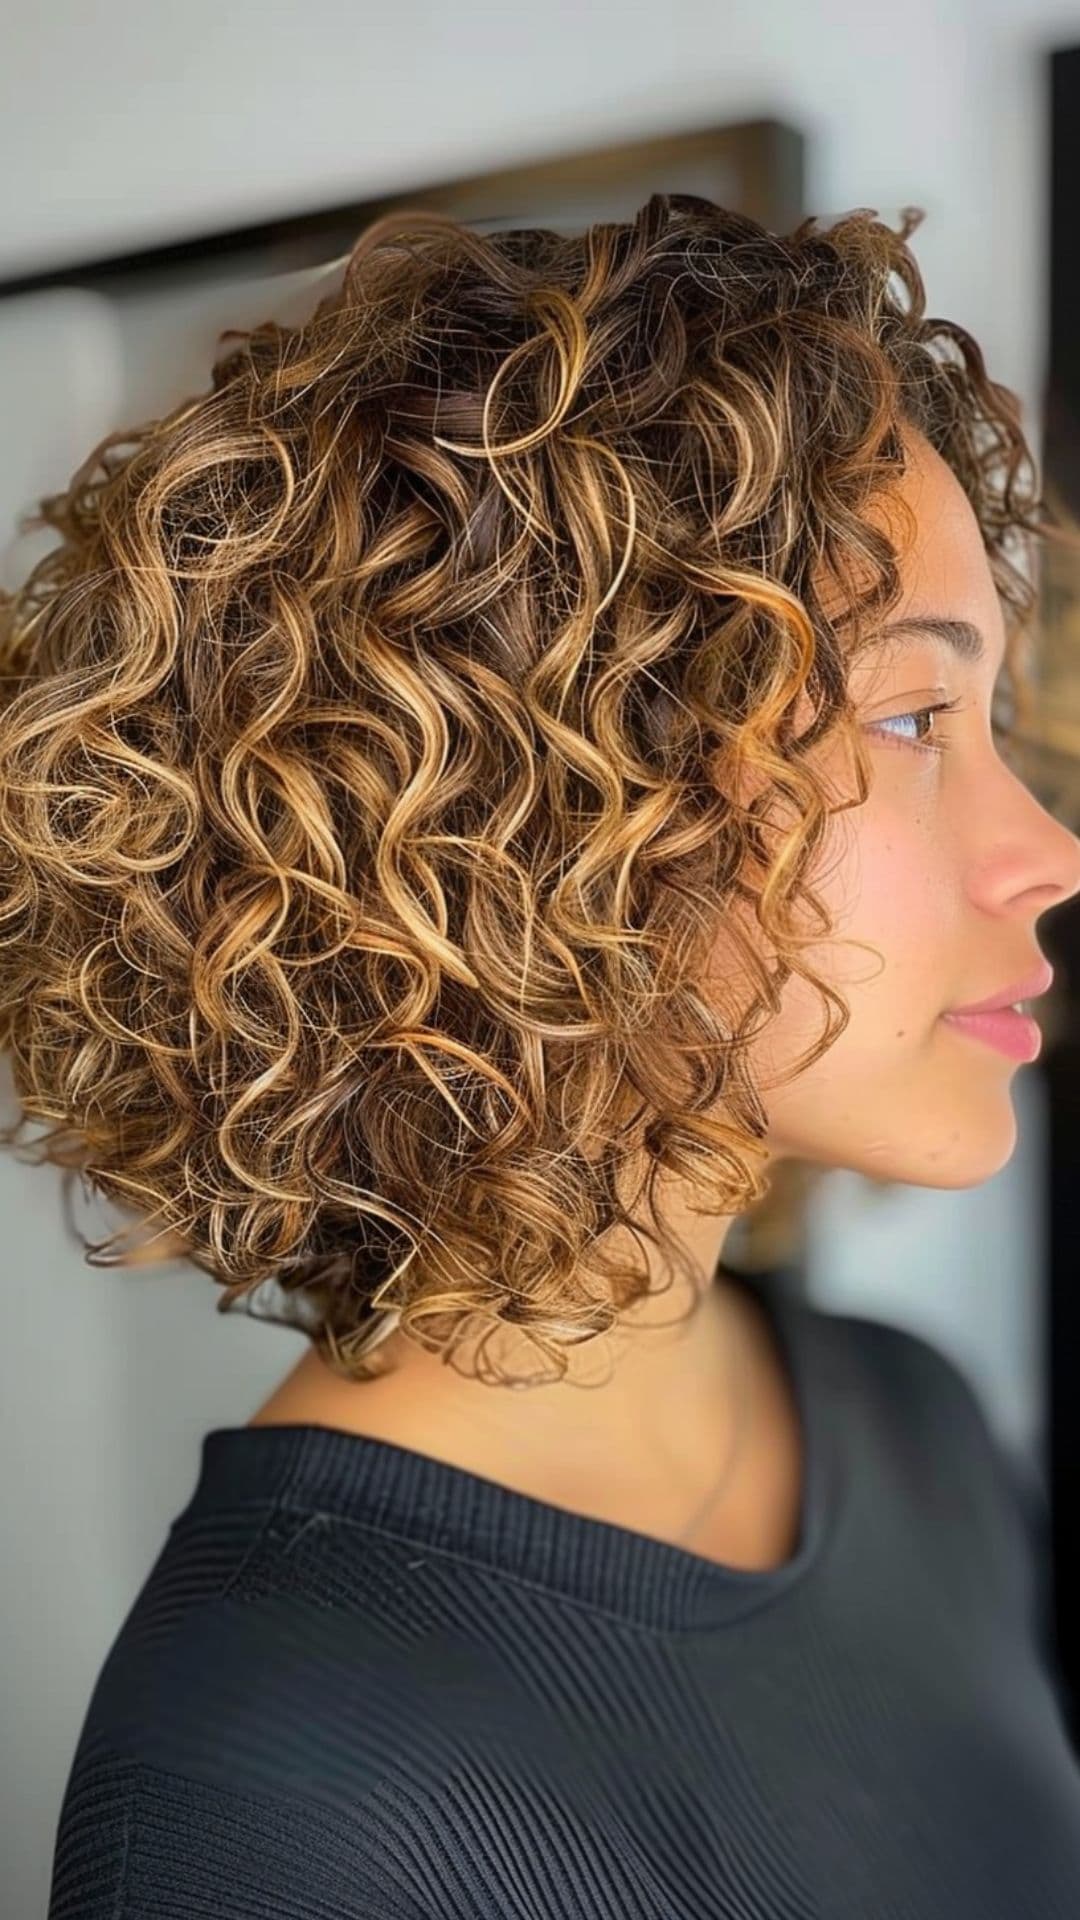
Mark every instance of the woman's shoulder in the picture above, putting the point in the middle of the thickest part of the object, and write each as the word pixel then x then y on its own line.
pixel 254 1734
pixel 136 1838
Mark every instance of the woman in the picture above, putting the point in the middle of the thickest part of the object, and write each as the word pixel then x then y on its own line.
pixel 448 772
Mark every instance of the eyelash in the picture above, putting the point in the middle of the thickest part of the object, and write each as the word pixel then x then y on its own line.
pixel 919 713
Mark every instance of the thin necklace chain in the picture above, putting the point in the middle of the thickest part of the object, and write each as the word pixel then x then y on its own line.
pixel 740 1371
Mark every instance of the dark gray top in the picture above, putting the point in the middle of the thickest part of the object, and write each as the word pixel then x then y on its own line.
pixel 360 1682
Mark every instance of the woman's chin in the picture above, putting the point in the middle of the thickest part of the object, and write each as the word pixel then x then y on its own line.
pixel 954 1145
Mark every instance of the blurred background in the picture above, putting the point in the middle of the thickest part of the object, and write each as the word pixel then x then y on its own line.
pixel 166 175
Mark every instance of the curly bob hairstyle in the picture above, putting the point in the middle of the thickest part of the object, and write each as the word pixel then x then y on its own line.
pixel 373 750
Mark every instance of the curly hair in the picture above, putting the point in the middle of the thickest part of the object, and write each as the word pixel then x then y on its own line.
pixel 373 748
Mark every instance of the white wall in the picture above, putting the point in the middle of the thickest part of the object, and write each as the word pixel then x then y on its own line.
pixel 123 126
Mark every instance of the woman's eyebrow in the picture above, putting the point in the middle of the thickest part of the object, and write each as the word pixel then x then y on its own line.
pixel 962 636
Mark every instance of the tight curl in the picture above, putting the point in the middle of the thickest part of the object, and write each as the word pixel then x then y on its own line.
pixel 374 744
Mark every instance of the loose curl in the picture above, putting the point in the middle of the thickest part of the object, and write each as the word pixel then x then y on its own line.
pixel 374 749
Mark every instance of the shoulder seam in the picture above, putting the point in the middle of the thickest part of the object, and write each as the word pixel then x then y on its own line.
pixel 257 1540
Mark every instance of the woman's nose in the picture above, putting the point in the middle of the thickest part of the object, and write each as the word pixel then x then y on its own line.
pixel 1055 855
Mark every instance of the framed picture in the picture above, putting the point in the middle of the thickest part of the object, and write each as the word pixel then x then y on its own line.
pixel 91 346
pixel 754 166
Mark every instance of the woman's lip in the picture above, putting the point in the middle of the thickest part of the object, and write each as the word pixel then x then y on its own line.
pixel 1040 981
pixel 1015 1034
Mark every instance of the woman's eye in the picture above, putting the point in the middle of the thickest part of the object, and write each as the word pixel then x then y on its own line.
pixel 918 715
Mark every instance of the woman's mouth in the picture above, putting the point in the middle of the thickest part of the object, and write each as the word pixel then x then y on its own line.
pixel 1010 1030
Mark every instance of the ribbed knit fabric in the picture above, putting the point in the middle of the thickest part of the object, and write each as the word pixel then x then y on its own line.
pixel 360 1682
